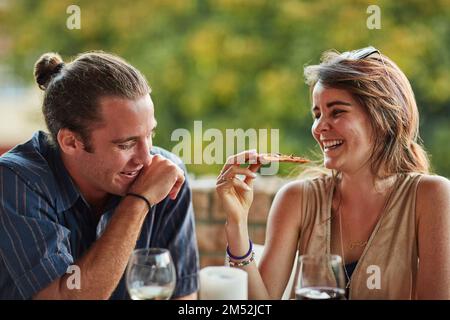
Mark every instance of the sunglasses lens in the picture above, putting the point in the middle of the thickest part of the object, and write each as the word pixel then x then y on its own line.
pixel 367 52
pixel 360 53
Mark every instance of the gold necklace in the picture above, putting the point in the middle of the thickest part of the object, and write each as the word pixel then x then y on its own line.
pixel 354 244
pixel 357 243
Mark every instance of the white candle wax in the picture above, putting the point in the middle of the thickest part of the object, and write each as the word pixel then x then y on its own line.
pixel 223 283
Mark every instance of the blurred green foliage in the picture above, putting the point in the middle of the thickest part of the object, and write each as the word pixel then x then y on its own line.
pixel 239 63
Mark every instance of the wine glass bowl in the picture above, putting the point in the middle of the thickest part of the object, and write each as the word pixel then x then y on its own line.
pixel 320 277
pixel 150 274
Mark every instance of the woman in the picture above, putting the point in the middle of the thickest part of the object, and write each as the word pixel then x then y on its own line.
pixel 379 206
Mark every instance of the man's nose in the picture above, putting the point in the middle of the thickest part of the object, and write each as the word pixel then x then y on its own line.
pixel 144 157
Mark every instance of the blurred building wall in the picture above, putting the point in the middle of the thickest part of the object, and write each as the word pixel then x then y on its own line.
pixel 210 218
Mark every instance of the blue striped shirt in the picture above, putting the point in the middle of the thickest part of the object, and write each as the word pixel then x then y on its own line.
pixel 46 225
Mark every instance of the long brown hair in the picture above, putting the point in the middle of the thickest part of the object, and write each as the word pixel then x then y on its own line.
pixel 379 85
pixel 72 90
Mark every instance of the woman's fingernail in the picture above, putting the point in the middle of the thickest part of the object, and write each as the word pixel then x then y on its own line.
pixel 253 175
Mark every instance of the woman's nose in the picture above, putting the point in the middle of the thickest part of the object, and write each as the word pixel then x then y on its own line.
pixel 320 125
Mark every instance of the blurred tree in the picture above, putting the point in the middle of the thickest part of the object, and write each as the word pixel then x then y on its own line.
pixel 239 63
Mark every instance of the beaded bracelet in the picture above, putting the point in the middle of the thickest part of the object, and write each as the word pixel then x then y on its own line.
pixel 242 263
pixel 250 250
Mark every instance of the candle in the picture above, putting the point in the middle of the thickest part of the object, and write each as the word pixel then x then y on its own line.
pixel 223 283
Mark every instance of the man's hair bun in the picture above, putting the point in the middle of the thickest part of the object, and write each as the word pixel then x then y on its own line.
pixel 46 67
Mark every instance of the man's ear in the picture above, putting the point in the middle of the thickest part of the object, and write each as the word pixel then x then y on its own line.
pixel 68 141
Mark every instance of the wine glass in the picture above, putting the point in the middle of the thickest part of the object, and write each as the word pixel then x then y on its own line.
pixel 320 277
pixel 150 274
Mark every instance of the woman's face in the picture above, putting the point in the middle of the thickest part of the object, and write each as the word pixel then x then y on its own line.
pixel 342 129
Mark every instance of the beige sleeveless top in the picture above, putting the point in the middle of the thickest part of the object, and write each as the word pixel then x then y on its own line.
pixel 392 247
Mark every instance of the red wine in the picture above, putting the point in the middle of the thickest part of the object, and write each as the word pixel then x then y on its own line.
pixel 320 293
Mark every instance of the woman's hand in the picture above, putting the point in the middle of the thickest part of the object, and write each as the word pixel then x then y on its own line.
pixel 235 194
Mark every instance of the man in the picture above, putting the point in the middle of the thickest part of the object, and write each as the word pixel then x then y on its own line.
pixel 90 192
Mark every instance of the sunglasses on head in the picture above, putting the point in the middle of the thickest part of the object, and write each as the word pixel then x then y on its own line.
pixel 360 53
pixel 363 53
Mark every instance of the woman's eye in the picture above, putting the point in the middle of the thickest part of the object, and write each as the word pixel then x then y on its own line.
pixel 336 112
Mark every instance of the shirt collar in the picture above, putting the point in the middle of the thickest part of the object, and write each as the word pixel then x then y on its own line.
pixel 70 193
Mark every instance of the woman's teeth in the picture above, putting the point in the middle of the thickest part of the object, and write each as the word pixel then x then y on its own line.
pixel 332 144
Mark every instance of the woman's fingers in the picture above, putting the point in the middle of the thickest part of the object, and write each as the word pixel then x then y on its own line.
pixel 233 171
pixel 233 182
pixel 238 183
pixel 253 168
pixel 228 178
pixel 228 174
pixel 240 158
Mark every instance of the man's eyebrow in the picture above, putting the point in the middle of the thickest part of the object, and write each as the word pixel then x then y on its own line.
pixel 333 103
pixel 123 140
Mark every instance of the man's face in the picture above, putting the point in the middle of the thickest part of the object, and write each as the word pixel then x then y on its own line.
pixel 121 146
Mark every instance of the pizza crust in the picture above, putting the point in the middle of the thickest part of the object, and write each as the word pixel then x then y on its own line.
pixel 278 157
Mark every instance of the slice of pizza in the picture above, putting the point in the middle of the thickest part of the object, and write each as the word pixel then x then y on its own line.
pixel 274 157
